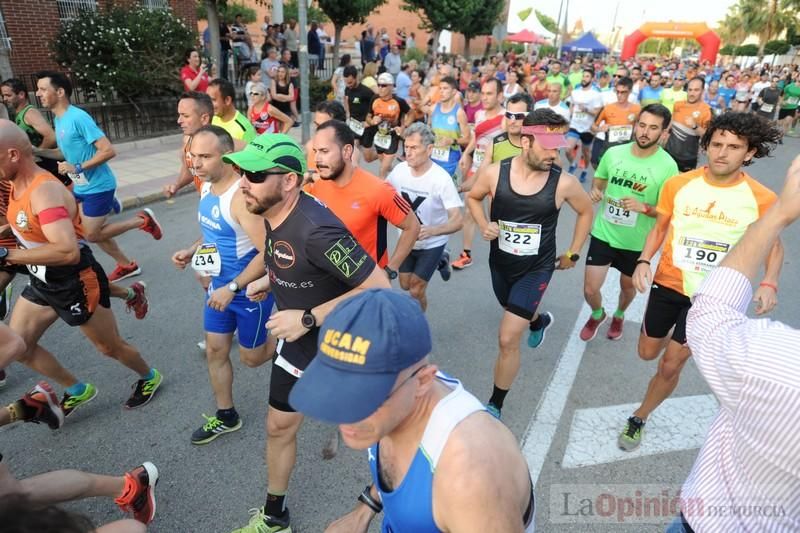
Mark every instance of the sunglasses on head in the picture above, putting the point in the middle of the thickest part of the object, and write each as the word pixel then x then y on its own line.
pixel 258 176
pixel 516 116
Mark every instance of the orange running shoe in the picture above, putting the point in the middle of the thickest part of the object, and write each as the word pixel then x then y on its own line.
pixel 138 496
pixel 463 261
pixel 124 271
pixel 138 304
pixel 150 224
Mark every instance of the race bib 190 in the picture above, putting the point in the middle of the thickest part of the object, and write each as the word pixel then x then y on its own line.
pixel 517 238
pixel 616 213
pixel 699 255
pixel 206 260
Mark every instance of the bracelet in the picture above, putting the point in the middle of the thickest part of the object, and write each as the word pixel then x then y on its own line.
pixel 647 209
pixel 770 285
pixel 642 261
pixel 366 498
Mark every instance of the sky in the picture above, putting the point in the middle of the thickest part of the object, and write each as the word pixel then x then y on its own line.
pixel 598 15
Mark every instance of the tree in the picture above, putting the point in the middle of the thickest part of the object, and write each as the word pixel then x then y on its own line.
pixel 747 50
pixel 439 15
pixel 313 13
pixel 548 22
pixel 344 13
pixel 777 48
pixel 479 22
pixel 228 12
pixel 728 50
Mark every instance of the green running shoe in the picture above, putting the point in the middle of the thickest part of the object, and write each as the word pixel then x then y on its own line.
pixel 264 523
pixel 536 336
pixel 144 390
pixel 69 402
pixel 493 410
pixel 213 428
pixel 631 436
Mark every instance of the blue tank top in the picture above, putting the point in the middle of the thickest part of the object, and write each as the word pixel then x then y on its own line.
pixel 446 125
pixel 235 248
pixel 409 507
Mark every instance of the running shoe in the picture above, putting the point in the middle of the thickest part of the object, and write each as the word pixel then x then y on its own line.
pixel 571 169
pixel 444 266
pixel 464 260
pixel 582 178
pixel 590 328
pixel 213 428
pixel 493 410
pixel 631 436
pixel 150 224
pixel 138 304
pixel 139 495
pixel 261 522
pixel 582 163
pixel 124 272
pixel 69 402
pixel 43 400
pixel 2 378
pixel 536 336
pixel 615 331
pixel 202 346
pixel 5 301
pixel 143 391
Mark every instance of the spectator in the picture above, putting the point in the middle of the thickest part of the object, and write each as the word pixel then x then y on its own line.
pixel 253 77
pixel 314 47
pixel 282 93
pixel 384 51
pixel 370 75
pixel 403 82
pixel 337 80
pixel 268 66
pixel 193 73
pixel 392 61
pixel 290 35
pixel 264 117
pixel 324 40
pixel 265 27
pixel 225 48
pixel 368 45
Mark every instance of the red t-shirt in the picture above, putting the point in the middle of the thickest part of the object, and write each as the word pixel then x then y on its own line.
pixel 262 121
pixel 188 74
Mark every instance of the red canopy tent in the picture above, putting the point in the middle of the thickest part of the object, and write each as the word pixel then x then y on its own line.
pixel 526 36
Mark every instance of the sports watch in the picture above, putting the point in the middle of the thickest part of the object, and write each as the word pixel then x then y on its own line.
pixel 308 320
pixel 389 272
pixel 572 256
pixel 3 255
pixel 234 287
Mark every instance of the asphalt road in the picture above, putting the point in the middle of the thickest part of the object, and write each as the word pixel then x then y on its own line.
pixel 556 396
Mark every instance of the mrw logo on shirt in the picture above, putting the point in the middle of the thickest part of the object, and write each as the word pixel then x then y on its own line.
pixel 340 256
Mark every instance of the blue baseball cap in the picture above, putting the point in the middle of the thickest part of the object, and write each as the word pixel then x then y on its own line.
pixel 363 345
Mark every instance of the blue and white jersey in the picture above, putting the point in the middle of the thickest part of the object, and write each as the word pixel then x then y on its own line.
pixel 234 248
pixel 561 108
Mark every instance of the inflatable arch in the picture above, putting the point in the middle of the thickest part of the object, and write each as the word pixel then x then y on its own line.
pixel 699 31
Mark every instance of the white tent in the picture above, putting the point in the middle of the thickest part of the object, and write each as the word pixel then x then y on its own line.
pixel 531 22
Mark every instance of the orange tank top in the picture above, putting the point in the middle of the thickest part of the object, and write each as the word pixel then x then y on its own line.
pixel 25 224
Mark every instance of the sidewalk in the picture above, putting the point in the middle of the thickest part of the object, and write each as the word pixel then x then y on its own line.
pixel 144 167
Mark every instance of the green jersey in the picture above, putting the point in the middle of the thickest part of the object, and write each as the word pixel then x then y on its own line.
pixel 560 78
pixel 629 176
pixel 669 96
pixel 791 96
pixel 34 136
pixel 503 148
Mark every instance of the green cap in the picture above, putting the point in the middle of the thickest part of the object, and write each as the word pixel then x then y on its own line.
pixel 270 150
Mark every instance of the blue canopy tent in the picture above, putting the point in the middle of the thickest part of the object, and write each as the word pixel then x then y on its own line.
pixel 586 43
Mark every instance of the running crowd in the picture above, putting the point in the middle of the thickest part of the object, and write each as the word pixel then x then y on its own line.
pixel 294 259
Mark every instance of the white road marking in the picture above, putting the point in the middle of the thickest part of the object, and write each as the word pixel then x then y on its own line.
pixel 677 424
pixel 542 428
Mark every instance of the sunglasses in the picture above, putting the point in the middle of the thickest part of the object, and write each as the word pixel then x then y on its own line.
pixel 383 85
pixel 255 94
pixel 259 176
pixel 516 116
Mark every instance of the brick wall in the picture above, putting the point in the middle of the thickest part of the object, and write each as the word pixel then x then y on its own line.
pixel 32 25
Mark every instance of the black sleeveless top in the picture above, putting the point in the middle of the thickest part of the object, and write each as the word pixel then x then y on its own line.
pixel 527 240
pixel 286 107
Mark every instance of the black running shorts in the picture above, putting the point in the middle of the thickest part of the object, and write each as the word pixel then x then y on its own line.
pixel 666 308
pixel 603 254
pixel 522 296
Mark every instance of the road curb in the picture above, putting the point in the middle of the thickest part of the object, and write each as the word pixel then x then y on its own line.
pixel 132 202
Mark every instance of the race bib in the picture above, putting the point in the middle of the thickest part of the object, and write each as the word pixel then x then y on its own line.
pixel 383 141
pixel 792 100
pixel 78 179
pixel 742 96
pixel 39 271
pixel 616 213
pixel 581 116
pixel 767 108
pixel 517 238
pixel 206 260
pixel 478 157
pixel 356 126
pixel 699 255
pixel 618 134
pixel 441 154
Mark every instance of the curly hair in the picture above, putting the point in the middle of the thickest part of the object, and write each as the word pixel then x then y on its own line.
pixel 759 132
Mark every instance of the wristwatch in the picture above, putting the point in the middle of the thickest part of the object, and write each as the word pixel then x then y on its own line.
pixel 234 287
pixel 389 272
pixel 308 320
pixel 3 255
pixel 572 256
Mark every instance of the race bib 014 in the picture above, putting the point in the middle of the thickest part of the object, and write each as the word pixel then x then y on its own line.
pixel 616 213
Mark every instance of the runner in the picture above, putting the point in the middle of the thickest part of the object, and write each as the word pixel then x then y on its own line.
pixel 522 231
pixel 702 214
pixel 359 199
pixel 755 91
pixel 436 203
pixel 65 280
pixel 556 76
pixel 768 99
pixel 323 112
pixel 615 120
pixel 713 98
pixel 689 123
pixel 386 120
pixel 195 110
pixel 627 182
pixel 728 91
pixel 449 123
pixel 488 124
pixel 472 102
pixel 509 143
pixel 83 153
pixel 741 101
pixel 651 93
pixel 357 101
pixel 30 120
pixel 226 248
pixel 222 94
pixel 422 430
pixel 313 264
pixel 787 115
pixel 671 95
pixel 553 101
pixel 586 103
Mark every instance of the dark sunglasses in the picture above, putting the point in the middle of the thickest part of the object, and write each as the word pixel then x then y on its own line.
pixel 383 85
pixel 255 94
pixel 257 177
pixel 516 116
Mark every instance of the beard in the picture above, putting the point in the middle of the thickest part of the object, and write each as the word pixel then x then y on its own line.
pixel 335 170
pixel 646 145
pixel 534 163
pixel 260 206
pixel 585 84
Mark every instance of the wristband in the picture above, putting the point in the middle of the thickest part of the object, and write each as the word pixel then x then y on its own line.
pixel 78 169
pixel 770 285
pixel 642 261
pixel 647 209
pixel 366 498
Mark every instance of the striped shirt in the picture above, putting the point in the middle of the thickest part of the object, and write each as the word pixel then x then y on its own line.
pixel 747 474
